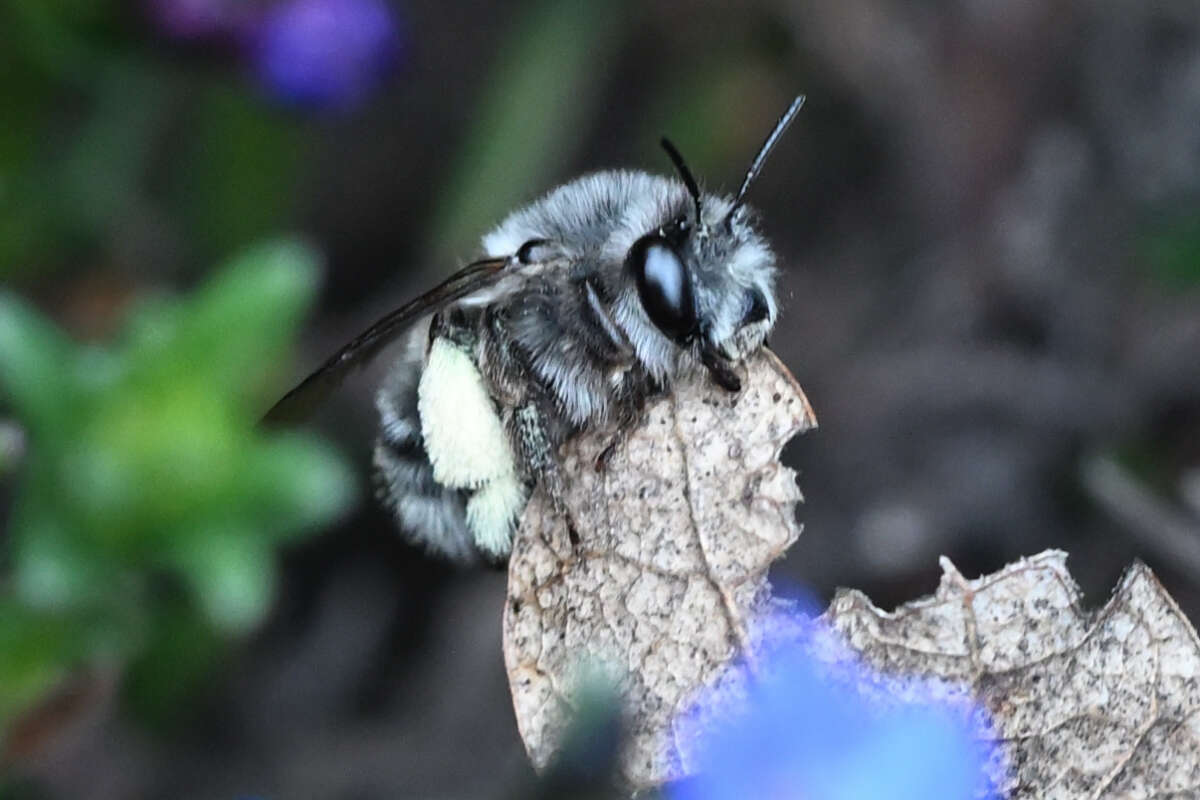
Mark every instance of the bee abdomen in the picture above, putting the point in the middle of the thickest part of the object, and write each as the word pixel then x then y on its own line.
pixel 428 513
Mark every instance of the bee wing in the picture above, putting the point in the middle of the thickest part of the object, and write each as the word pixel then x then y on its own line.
pixel 297 404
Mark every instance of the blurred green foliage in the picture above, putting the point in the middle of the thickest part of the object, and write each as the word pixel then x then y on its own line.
pixel 1173 251
pixel 542 92
pixel 149 503
pixel 109 137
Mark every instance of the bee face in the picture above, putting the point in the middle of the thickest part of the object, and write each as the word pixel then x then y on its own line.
pixel 707 285
pixel 735 276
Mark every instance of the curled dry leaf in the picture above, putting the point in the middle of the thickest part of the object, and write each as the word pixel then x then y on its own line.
pixel 653 563
pixel 1085 705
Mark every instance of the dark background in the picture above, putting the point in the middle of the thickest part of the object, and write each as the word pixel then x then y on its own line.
pixel 988 223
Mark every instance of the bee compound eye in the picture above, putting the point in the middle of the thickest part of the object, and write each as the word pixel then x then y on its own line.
pixel 664 287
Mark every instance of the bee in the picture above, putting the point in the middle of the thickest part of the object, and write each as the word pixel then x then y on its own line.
pixel 585 304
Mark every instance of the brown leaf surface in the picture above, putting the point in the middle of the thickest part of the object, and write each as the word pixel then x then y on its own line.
pixel 1087 705
pixel 656 566
pixel 655 563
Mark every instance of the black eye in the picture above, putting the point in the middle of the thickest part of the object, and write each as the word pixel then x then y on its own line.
pixel 664 287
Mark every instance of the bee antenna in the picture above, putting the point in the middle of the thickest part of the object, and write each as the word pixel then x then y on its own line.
pixel 685 173
pixel 767 146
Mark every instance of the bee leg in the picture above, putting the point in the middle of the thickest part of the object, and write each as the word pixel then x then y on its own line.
pixel 721 369
pixel 630 418
pixel 538 449
pixel 607 453
pixel 615 442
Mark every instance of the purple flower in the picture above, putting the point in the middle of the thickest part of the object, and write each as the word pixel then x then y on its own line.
pixel 200 20
pixel 801 729
pixel 325 53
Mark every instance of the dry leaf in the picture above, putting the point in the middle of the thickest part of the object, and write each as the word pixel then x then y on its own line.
pixel 1086 705
pixel 655 562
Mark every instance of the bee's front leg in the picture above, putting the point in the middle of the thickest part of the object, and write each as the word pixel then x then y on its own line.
pixel 630 416
pixel 616 440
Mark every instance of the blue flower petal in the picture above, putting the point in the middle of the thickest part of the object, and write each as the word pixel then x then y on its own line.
pixel 325 54
pixel 806 730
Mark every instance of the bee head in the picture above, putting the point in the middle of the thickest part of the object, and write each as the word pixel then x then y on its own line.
pixel 707 281
pixel 705 278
